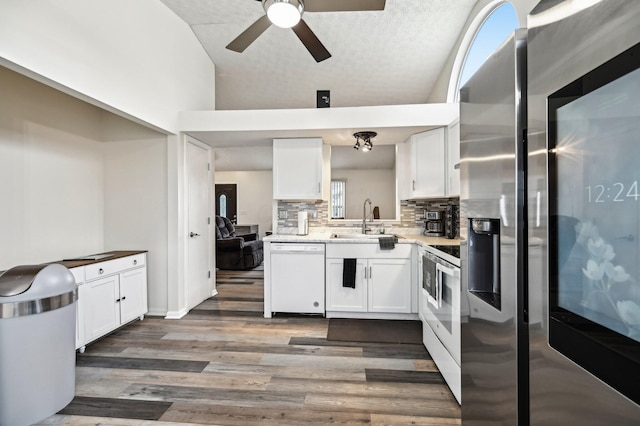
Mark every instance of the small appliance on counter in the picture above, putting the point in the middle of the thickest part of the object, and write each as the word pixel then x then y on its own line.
pixel 451 222
pixel 434 223
pixel 303 223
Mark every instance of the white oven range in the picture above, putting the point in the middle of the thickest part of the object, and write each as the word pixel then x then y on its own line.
pixel 440 311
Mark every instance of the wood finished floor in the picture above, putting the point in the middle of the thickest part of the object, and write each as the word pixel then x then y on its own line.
pixel 224 364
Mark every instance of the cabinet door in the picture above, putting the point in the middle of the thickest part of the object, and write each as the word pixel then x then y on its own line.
pixel 297 169
pixel 429 164
pixel 389 285
pixel 102 310
pixel 133 294
pixel 341 298
pixel 453 160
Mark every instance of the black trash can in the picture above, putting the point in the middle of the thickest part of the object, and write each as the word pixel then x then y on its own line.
pixel 37 342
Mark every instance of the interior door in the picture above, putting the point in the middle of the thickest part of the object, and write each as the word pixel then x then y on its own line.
pixel 227 201
pixel 199 236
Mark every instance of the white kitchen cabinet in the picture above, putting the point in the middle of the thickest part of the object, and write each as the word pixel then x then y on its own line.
pixel 389 285
pixel 384 281
pixel 453 160
pixel 297 169
pixel 133 294
pixel 345 299
pixel 103 313
pixel 428 164
pixel 114 292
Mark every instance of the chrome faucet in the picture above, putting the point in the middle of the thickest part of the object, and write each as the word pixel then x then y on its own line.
pixel 364 215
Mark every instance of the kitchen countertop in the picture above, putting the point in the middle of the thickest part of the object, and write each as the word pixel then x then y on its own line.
pixel 79 261
pixel 326 238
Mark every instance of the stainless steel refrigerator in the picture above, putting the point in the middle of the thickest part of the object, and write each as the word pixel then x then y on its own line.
pixel 550 221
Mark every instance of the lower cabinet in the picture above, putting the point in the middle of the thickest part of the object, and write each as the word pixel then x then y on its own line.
pixel 117 297
pixel 383 283
pixel 103 297
pixel 389 288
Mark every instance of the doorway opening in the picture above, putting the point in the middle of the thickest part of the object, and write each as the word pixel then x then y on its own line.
pixel 227 201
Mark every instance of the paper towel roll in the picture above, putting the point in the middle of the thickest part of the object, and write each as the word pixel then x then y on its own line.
pixel 303 223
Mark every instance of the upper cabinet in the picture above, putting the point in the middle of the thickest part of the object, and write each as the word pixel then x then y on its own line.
pixel 431 162
pixel 428 164
pixel 298 169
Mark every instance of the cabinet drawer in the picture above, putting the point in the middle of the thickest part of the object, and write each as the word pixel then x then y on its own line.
pixel 103 269
pixel 133 261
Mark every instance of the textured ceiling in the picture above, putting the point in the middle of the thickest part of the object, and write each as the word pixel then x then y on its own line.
pixel 389 57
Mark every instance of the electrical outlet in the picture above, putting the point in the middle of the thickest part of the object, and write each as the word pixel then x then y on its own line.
pixel 283 214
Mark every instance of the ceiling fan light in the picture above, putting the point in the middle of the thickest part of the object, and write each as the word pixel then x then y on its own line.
pixel 283 13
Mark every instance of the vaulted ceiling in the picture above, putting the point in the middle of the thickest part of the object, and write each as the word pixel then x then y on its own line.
pixel 389 57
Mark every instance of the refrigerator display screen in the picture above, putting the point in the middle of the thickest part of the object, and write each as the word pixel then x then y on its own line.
pixel 594 203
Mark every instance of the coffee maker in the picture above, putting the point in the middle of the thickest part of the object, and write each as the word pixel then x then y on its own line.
pixel 434 223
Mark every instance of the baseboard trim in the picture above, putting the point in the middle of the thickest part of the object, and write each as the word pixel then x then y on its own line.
pixel 176 314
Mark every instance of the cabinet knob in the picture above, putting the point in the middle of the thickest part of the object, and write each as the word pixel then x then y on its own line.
pixel 135 261
pixel 101 271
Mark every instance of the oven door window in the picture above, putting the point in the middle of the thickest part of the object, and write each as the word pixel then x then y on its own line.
pixel 594 222
pixel 429 278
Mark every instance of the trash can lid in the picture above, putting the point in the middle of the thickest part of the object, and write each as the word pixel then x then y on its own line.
pixel 18 279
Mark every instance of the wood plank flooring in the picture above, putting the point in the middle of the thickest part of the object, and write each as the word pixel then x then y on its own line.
pixel 224 364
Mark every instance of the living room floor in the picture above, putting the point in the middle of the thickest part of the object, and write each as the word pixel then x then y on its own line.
pixel 224 364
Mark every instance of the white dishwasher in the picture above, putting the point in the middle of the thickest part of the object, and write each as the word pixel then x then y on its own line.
pixel 297 278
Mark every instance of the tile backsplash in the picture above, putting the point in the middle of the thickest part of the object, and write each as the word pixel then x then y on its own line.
pixel 411 214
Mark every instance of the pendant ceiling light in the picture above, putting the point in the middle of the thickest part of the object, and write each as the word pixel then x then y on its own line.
pixel 365 137
pixel 283 13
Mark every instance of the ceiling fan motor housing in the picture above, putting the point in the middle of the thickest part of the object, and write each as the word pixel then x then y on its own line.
pixel 283 13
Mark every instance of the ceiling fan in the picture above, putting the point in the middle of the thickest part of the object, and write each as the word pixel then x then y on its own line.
pixel 288 14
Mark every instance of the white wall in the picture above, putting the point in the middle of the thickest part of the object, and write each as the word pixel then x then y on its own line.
pixel 378 185
pixel 51 174
pixel 135 58
pixel 76 180
pixel 255 196
pixel 135 199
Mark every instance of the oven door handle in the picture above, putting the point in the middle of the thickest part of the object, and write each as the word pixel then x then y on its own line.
pixel 441 270
pixel 454 272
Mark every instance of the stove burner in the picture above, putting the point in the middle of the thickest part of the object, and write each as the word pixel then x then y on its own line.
pixel 450 250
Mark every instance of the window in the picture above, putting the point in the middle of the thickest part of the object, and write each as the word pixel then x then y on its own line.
pixel 223 205
pixel 486 33
pixel 337 199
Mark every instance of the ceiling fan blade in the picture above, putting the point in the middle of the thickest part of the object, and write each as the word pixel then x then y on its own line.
pixel 240 43
pixel 342 5
pixel 311 42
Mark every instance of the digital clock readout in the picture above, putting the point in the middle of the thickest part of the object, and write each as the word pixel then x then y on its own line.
pixel 617 192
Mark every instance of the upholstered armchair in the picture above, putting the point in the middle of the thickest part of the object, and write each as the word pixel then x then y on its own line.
pixel 236 251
